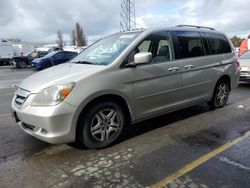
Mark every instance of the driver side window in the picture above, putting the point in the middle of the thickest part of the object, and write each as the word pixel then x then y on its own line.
pixel 59 55
pixel 158 44
pixel 145 46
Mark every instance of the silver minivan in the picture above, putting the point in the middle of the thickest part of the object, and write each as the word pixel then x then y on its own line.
pixel 126 78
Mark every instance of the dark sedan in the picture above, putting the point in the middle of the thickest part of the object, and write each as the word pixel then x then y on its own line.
pixel 25 60
pixel 52 59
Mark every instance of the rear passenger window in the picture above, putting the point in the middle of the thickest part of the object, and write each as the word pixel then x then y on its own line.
pixel 59 55
pixel 205 43
pixel 218 43
pixel 190 44
pixel 70 54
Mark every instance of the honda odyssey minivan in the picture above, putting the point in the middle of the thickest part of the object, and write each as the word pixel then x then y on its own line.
pixel 126 78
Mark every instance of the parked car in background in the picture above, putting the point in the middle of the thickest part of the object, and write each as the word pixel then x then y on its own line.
pixel 244 61
pixel 126 78
pixel 74 48
pixel 25 60
pixel 53 58
pixel 55 49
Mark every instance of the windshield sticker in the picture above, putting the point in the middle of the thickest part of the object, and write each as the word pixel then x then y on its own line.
pixel 128 36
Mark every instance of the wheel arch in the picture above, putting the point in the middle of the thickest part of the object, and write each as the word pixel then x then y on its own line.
pixel 97 99
pixel 51 61
pixel 224 77
pixel 48 60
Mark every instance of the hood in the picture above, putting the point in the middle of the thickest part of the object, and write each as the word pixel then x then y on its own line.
pixel 244 62
pixel 20 57
pixel 37 60
pixel 64 73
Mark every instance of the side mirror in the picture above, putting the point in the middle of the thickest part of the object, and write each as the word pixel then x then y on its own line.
pixel 143 58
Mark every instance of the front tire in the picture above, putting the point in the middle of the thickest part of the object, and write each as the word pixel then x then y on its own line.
pixel 102 125
pixel 221 94
pixel 21 64
pixel 47 64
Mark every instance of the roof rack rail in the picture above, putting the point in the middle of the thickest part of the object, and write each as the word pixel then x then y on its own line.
pixel 196 26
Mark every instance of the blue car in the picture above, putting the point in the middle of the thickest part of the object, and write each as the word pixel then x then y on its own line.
pixel 52 59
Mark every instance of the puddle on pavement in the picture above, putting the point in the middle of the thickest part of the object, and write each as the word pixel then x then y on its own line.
pixel 205 138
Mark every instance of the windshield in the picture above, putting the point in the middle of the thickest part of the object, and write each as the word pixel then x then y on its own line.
pixel 246 55
pixel 106 50
pixel 50 54
pixel 28 53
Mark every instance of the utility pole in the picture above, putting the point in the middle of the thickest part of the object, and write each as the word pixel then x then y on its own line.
pixel 127 21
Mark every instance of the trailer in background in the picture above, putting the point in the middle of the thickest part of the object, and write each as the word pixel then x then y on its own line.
pixel 23 48
pixel 6 52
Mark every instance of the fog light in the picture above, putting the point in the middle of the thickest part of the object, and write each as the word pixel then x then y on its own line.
pixel 44 131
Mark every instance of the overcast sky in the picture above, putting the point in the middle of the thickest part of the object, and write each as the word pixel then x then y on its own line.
pixel 39 20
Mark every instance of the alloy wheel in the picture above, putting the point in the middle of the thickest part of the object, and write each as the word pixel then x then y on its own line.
pixel 222 93
pixel 22 64
pixel 105 125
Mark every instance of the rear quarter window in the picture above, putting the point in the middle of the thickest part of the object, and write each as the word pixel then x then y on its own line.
pixel 218 43
pixel 70 55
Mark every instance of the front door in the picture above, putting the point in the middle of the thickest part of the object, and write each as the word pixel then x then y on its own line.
pixel 59 58
pixel 157 86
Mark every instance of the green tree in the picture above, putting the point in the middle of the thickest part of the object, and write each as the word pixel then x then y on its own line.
pixel 236 41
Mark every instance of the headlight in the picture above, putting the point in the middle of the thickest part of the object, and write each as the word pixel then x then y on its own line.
pixel 52 95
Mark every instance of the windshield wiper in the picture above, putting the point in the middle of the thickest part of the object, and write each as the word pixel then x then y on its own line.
pixel 83 62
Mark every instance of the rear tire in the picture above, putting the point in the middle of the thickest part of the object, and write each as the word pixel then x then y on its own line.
pixel 221 94
pixel 101 125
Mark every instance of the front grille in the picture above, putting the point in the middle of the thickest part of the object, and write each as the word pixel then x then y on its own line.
pixel 244 72
pixel 21 96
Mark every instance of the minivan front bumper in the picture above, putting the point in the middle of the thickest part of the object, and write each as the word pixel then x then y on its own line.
pixel 52 124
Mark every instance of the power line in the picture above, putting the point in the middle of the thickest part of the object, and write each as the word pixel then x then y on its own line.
pixel 127 21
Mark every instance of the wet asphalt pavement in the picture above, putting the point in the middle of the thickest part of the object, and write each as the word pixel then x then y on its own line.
pixel 148 152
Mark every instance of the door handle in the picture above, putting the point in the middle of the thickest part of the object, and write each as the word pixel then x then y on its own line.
pixel 173 69
pixel 189 66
